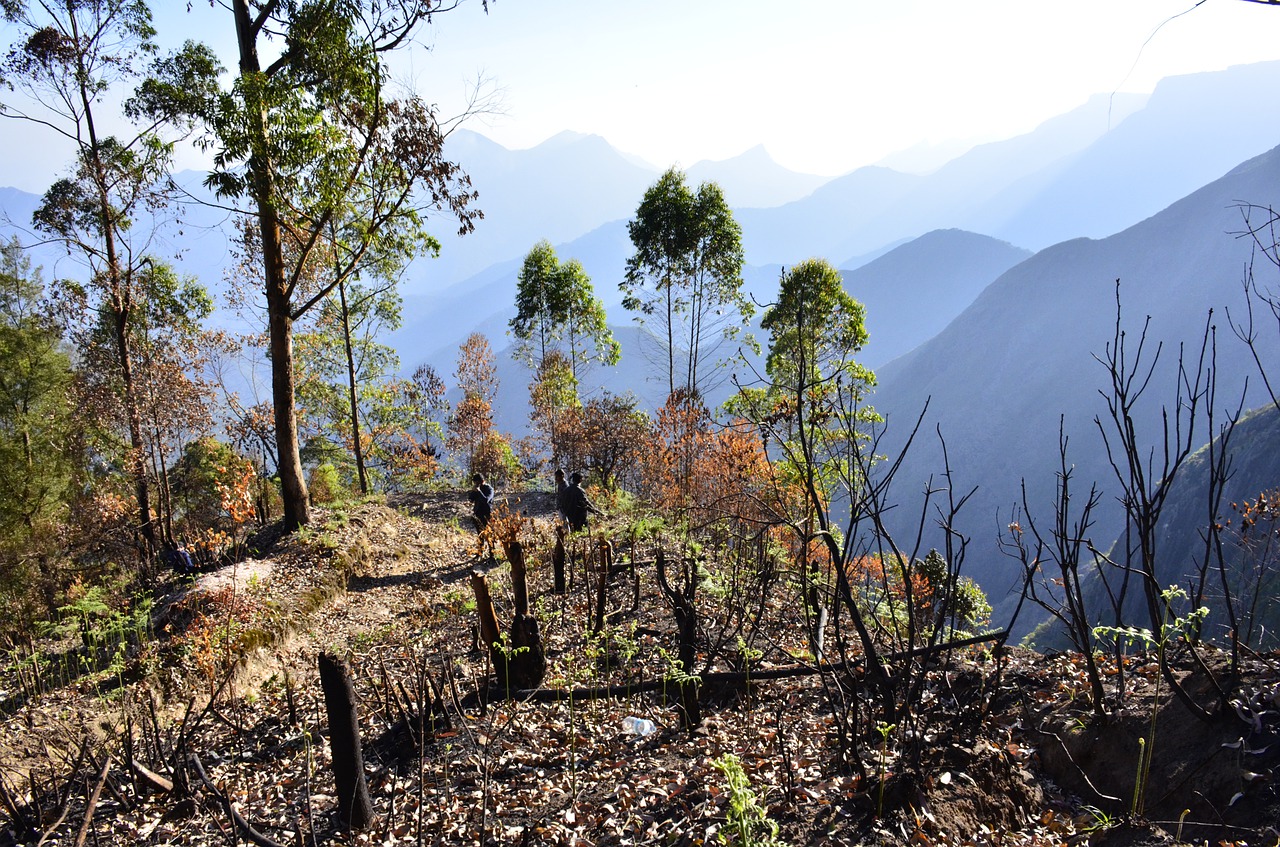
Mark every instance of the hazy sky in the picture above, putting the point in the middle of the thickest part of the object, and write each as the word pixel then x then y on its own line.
pixel 828 85
pixel 825 85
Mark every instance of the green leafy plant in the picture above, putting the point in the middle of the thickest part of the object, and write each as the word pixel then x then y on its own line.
pixel 885 730
pixel 675 672
pixel 1099 821
pixel 1170 631
pixel 748 823
pixel 325 486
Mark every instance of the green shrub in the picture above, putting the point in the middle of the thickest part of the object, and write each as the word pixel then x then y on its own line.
pixel 325 485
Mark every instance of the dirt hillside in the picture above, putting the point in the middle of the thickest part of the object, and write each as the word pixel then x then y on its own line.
pixel 228 688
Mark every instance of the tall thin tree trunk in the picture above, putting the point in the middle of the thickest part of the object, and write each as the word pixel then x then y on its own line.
pixel 356 446
pixel 293 485
pixel 137 445
pixel 671 342
pixel 121 306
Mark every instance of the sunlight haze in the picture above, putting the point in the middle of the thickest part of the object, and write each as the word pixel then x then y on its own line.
pixel 825 85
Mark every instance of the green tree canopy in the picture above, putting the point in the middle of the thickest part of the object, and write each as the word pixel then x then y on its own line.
pixel 345 372
pixel 38 461
pixel 70 58
pixel 326 160
pixel 812 405
pixel 561 328
pixel 541 305
pixel 587 335
pixel 556 309
pixel 685 277
pixel 815 328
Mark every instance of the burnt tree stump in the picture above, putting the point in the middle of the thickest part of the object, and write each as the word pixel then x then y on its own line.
pixel 684 608
pixel 355 808
pixel 558 558
pixel 518 661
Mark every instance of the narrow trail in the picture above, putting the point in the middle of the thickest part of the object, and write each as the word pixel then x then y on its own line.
pixel 409 561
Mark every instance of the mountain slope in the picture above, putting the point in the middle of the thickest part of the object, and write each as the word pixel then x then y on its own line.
pixel 753 179
pixel 557 190
pixel 999 376
pixel 1250 567
pixel 915 290
pixel 870 207
pixel 1090 172
pixel 1192 129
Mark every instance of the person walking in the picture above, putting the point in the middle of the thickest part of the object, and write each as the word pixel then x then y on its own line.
pixel 562 498
pixel 577 504
pixel 481 497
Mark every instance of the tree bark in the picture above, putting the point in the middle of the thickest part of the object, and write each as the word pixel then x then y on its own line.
pixel 293 485
pixel 355 807
pixel 356 447
pixel 92 805
pixel 121 302
pixel 490 634
pixel 686 615
pixel 152 779
pixel 518 662
pixel 137 446
pixel 605 552
pixel 558 561
pixel 738 678
pixel 519 577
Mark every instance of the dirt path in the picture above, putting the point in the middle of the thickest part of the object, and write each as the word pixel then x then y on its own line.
pixel 408 560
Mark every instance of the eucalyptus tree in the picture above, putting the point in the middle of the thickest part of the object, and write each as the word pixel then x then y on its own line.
pixel 345 370
pixel 685 277
pixel 310 139
pixel 169 343
pixel 560 327
pixel 814 402
pixel 815 330
pixel 541 306
pixel 70 59
pixel 587 337
pixel 812 412
pixel 557 309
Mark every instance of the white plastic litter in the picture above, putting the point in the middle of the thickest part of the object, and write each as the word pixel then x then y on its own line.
pixel 637 726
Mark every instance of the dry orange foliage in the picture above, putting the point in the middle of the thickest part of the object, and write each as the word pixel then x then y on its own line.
pixel 706 470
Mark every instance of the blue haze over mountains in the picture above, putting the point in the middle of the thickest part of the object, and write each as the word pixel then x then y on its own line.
pixel 989 283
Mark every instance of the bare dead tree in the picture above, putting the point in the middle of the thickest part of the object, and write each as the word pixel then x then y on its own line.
pixel 1146 472
pixel 1063 549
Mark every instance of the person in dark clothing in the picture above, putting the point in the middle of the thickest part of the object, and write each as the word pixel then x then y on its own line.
pixel 481 497
pixel 577 504
pixel 177 558
pixel 562 497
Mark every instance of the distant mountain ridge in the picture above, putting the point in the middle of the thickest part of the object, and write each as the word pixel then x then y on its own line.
pixel 912 292
pixel 857 217
pixel 1193 129
pixel 754 180
pixel 1000 376
pixel 573 188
